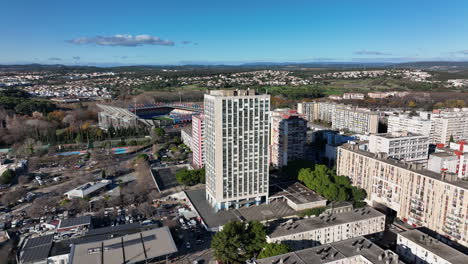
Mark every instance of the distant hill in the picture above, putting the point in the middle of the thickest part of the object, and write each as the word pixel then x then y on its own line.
pixel 435 65
pixel 444 66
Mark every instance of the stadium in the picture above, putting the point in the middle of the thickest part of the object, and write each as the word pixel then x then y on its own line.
pixel 150 115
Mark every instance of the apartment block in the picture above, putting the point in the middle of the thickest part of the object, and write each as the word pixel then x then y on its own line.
pixel 198 141
pixel 413 124
pixel 400 145
pixel 452 159
pixel 413 246
pixel 440 125
pixel 357 250
pixel 327 228
pixel 438 201
pixel 355 120
pixel 186 136
pixel 353 96
pixel 314 111
pixel 449 125
pixel 288 137
pixel 237 134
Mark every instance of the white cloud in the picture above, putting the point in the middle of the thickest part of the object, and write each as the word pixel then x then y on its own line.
pixel 370 52
pixel 122 40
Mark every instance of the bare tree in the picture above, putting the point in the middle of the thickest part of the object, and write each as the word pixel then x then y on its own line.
pixel 146 209
pixel 13 195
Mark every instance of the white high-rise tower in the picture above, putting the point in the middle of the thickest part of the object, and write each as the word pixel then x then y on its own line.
pixel 236 148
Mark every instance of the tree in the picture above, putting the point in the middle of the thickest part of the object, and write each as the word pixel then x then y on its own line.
pixel 142 156
pixel 333 187
pixel 13 196
pixel 451 139
pixel 79 138
pixel 159 133
pixel 7 176
pixel 411 104
pixel 239 241
pixel 274 249
pixel 358 194
pixel 190 177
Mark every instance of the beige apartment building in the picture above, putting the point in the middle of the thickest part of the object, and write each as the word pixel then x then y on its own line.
pixel 327 228
pixel 355 120
pixel 314 111
pixel 419 197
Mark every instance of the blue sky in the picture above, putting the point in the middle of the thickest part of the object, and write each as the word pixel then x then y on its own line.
pixel 102 32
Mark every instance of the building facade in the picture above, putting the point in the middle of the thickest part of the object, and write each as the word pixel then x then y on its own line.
pixel 186 136
pixel 452 159
pixel 400 145
pixel 449 125
pixel 416 124
pixel 441 125
pixel 327 228
pixel 288 137
pixel 237 133
pixel 355 120
pixel 417 196
pixel 198 141
pixel 413 246
pixel 317 111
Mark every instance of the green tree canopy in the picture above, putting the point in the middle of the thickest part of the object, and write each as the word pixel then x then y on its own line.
pixel 160 132
pixel 274 249
pixel 333 187
pixel 190 177
pixel 142 156
pixel 239 241
pixel 7 176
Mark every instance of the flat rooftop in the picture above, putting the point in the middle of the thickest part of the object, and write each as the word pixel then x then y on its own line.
pixel 334 252
pixel 132 248
pixel 214 219
pixel 296 192
pixel 36 249
pixel 75 221
pixel 400 135
pixel 433 245
pixel 285 228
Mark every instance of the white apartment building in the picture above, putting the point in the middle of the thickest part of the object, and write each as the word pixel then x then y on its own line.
pixel 452 159
pixel 447 125
pixel 419 197
pixel 198 141
pixel 355 120
pixel 326 228
pixel 288 137
pixel 413 246
pixel 353 96
pixel 237 137
pixel 413 124
pixel 400 145
pixel 440 126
